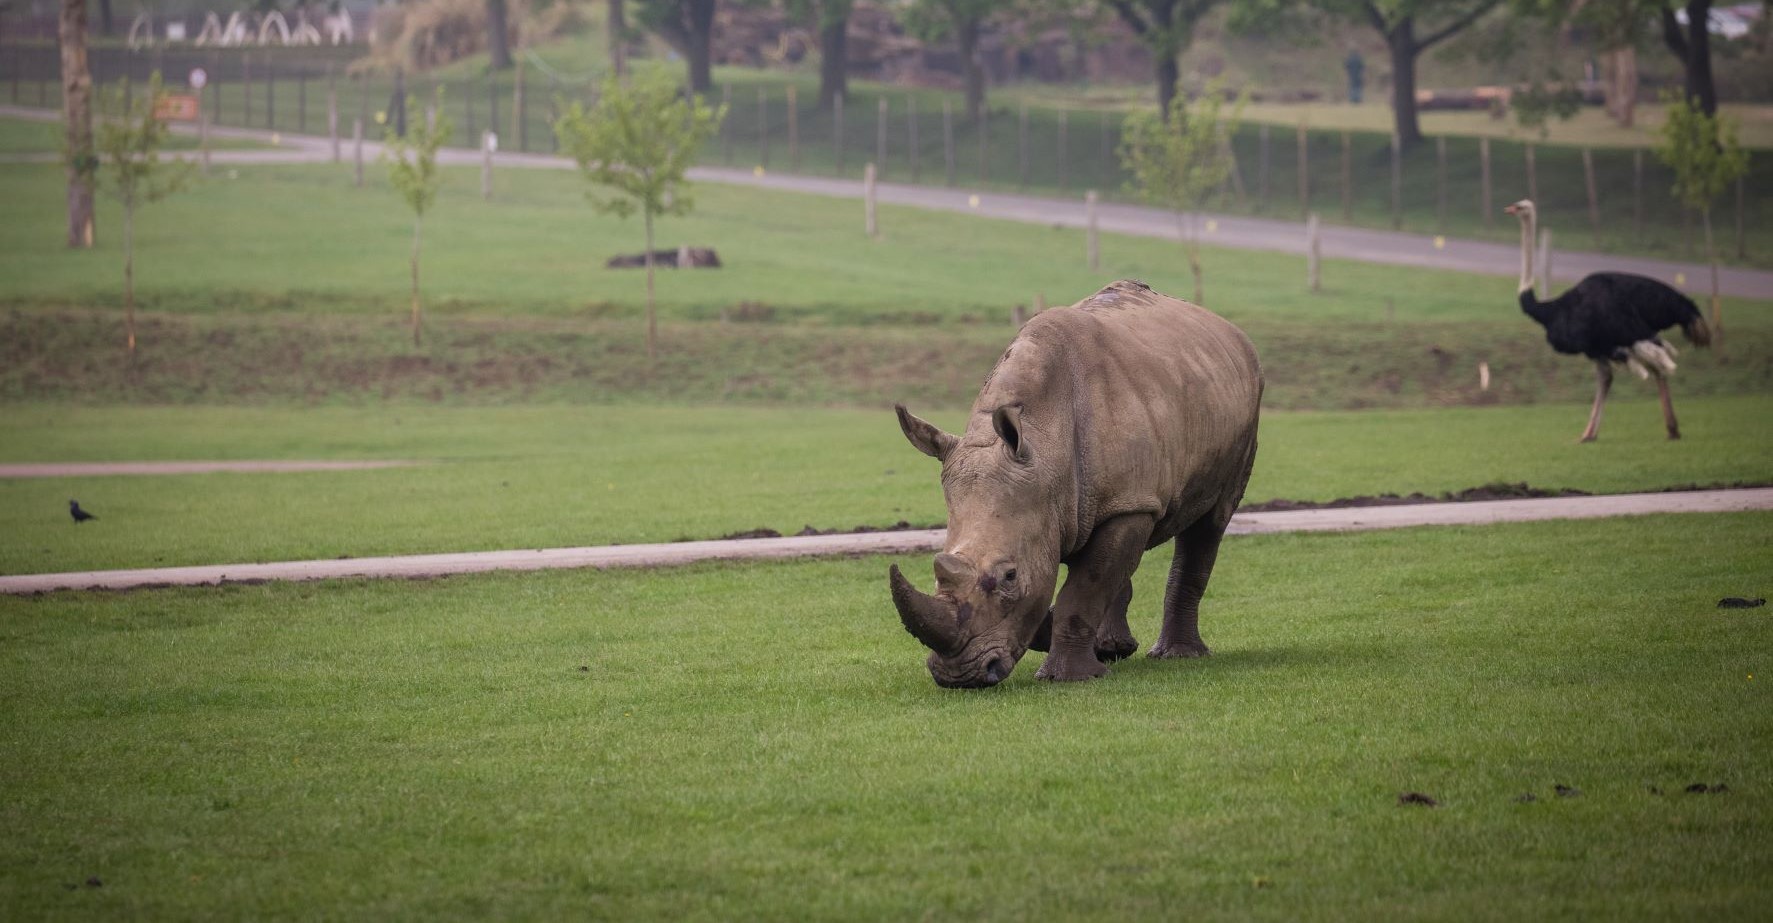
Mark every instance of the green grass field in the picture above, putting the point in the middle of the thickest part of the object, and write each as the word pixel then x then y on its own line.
pixel 763 742
pixel 547 476
pixel 27 136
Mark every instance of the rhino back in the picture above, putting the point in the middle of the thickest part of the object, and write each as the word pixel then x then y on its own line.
pixel 1142 403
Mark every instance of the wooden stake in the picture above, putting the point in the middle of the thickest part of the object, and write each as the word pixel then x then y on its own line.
pixel 880 136
pixel 1544 280
pixel 1741 227
pixel 948 142
pixel 357 147
pixel 763 127
pixel 837 130
pixel 869 224
pixel 911 135
pixel 1347 178
pixel 984 128
pixel 486 158
pixel 1304 177
pixel 1397 182
pixel 793 130
pixel 203 140
pixel 332 120
pixel 726 125
pixel 1040 302
pixel 1440 185
pixel 1064 157
pixel 1022 148
pixel 1262 168
pixel 1484 182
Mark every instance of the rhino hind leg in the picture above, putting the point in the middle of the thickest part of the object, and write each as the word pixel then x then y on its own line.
pixel 1196 549
pixel 1094 581
pixel 1114 639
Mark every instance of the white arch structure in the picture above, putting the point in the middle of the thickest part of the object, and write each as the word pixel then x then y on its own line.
pixel 274 18
pixel 143 23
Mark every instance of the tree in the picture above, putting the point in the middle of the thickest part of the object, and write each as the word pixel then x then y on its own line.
pixel 634 146
pixel 963 21
pixel 1692 45
pixel 1706 157
pixel 831 19
pixel 1398 21
pixel 1167 29
pixel 498 37
pixel 618 37
pixel 1179 160
pixel 132 173
pixel 688 27
pixel 77 122
pixel 412 167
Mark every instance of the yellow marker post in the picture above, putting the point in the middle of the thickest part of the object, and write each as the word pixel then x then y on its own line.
pixel 1440 243
pixel 757 170
pixel 1212 225
pixel 972 201
pixel 1680 278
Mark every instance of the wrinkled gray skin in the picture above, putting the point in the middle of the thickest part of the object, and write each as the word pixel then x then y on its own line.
pixel 1107 428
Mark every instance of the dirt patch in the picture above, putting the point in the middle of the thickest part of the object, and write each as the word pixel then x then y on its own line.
pixel 1418 798
pixel 1498 491
pixel 98 469
pixel 764 532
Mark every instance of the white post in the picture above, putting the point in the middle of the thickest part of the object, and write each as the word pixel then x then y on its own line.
pixel 1040 302
pixel 486 152
pixel 868 201
pixel 357 146
pixel 683 256
pixel 1313 277
pixel 1091 246
pixel 332 121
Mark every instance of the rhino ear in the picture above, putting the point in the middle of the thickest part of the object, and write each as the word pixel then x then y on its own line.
pixel 1007 420
pixel 924 435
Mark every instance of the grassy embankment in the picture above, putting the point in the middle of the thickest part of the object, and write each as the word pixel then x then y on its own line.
pixel 762 741
pixel 309 307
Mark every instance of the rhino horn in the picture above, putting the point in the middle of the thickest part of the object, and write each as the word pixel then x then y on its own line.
pixel 927 618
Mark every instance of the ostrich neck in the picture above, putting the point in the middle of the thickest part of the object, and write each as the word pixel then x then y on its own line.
pixel 1529 224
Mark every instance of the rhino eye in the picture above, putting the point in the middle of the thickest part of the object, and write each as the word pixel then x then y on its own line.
pixel 1009 576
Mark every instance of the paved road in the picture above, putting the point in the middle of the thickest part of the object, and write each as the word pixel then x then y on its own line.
pixel 677 553
pixel 1359 244
pixel 105 469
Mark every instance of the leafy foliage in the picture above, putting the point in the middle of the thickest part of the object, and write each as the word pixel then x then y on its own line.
pixel 128 148
pixel 1178 162
pixel 1535 106
pixel 635 144
pixel 412 160
pixel 1702 150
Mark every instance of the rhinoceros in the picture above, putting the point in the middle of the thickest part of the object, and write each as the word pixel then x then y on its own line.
pixel 1107 428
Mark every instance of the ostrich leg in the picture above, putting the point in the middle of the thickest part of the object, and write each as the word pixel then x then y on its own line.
pixel 1603 382
pixel 1668 417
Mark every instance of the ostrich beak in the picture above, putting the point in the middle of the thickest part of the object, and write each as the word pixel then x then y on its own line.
pixel 1510 210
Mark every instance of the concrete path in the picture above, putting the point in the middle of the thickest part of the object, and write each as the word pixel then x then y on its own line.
pixel 1365 245
pixel 677 553
pixel 106 469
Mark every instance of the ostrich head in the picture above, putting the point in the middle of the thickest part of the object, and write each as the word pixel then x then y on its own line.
pixel 1523 210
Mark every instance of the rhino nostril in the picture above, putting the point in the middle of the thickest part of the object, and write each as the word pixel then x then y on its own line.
pixel 996 670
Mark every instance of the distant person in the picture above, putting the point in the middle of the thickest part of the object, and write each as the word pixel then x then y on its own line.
pixel 1357 69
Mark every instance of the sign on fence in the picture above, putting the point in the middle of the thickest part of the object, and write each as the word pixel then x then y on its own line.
pixel 176 107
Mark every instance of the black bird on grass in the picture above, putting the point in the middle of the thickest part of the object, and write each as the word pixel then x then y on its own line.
pixel 1611 317
pixel 79 514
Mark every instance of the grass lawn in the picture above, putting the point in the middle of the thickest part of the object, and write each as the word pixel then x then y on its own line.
pixel 763 742
pixel 544 476
pixel 29 136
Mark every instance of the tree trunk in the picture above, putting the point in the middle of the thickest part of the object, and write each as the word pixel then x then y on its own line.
pixel 129 275
pixel 699 54
pixel 1623 88
pixel 107 22
pixel 77 122
pixel 652 324
pixel 966 34
pixel 1168 75
pixel 1692 46
pixel 417 222
pixel 498 39
pixel 1401 41
pixel 1711 254
pixel 834 59
pixel 618 38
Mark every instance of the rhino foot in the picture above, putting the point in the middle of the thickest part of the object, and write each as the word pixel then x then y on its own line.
pixel 1116 647
pixel 1071 669
pixel 1176 650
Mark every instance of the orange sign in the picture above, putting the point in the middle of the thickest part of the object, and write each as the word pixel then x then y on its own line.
pixel 176 107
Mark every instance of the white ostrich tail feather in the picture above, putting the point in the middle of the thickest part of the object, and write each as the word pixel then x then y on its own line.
pixel 1631 362
pixel 1654 354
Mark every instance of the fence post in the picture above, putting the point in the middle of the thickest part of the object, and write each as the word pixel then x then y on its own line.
pixel 246 88
pixel 726 125
pixel 553 117
pixel 880 136
pixel 332 120
pixel 215 84
pixel 468 106
pixel 203 138
pixel 1091 245
pixel 398 116
pixel 911 134
pixel 1304 176
pixel 948 141
pixel 1484 182
pixel 357 147
pixel 1741 228
pixel 1594 202
pixel 763 127
pixel 1347 178
pixel 1102 155
pixel 984 127
pixel 1312 276
pixel 270 93
pixel 18 66
pixel 837 130
pixel 486 158
pixel 1397 182
pixel 1022 148
pixel 1440 185
pixel 1262 167
pixel 869 224
pixel 519 109
pixel 793 130
pixel 301 102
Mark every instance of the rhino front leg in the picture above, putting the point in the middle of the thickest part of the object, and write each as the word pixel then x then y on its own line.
pixel 1196 549
pixel 1095 580
pixel 1114 639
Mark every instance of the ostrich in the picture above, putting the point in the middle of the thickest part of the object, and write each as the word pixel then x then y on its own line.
pixel 1611 317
